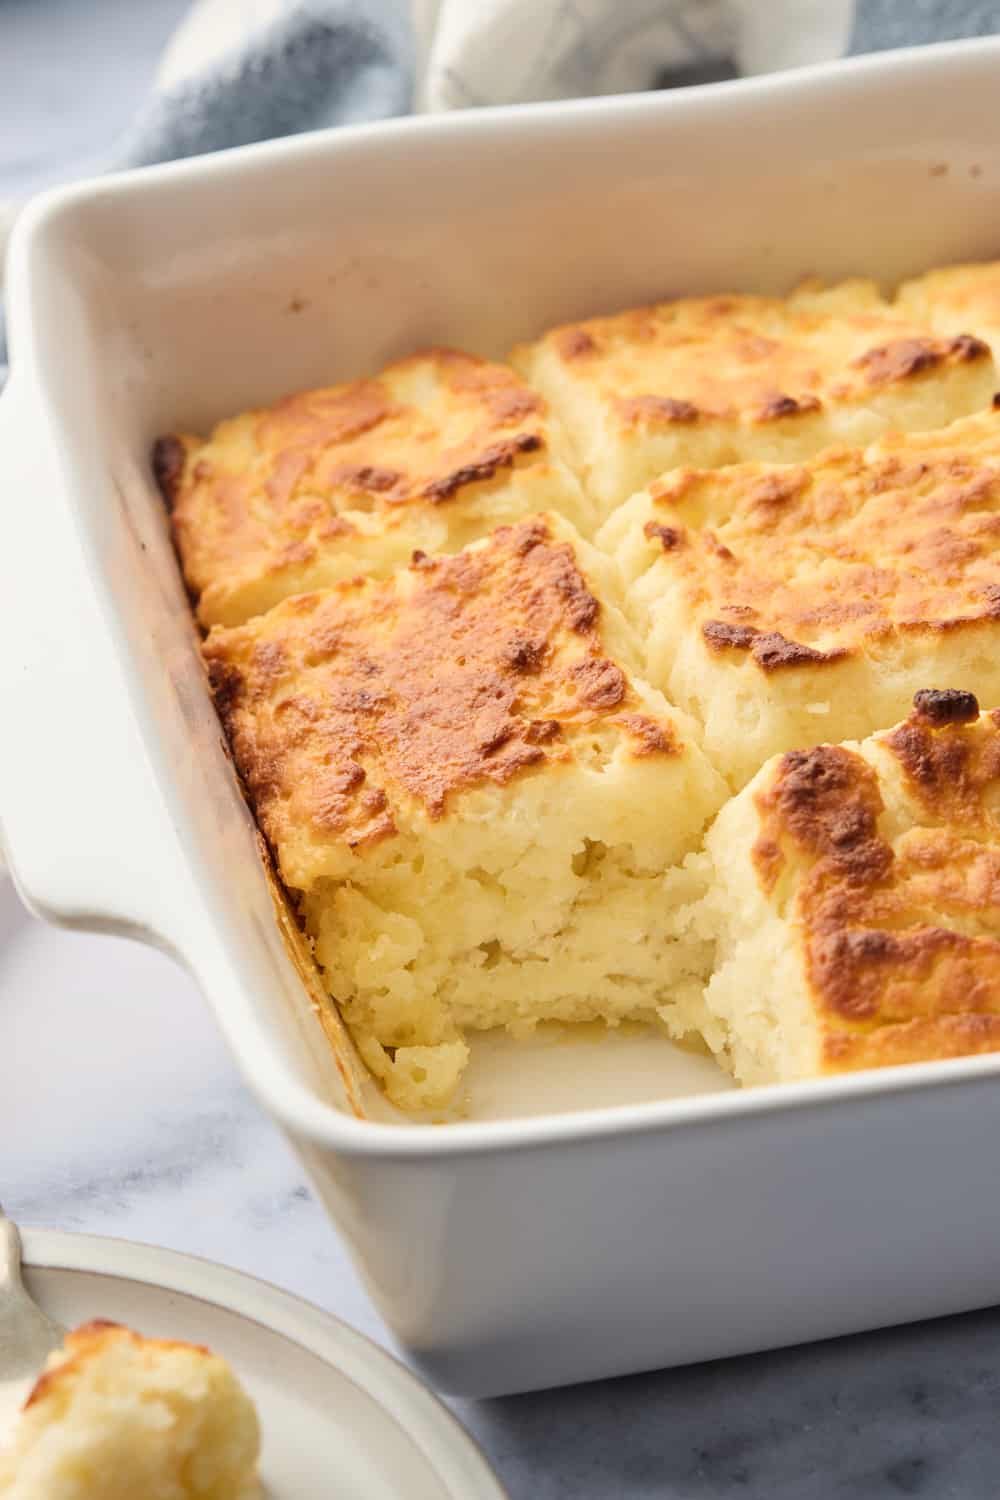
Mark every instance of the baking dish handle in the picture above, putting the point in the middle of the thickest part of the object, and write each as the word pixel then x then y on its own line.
pixel 84 827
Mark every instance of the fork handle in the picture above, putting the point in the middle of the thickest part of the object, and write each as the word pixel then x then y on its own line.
pixel 27 1335
pixel 10 1257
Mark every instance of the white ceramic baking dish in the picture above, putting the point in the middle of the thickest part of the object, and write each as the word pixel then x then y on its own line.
pixel 505 1253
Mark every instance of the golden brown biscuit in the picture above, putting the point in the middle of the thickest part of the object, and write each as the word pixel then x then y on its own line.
pixel 115 1416
pixel 956 299
pixel 784 604
pixel 328 484
pixel 856 901
pixel 482 808
pixel 721 380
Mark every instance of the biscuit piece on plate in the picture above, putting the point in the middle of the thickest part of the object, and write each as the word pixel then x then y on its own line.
pixel 784 604
pixel 956 299
pixel 115 1416
pixel 483 808
pixel 856 901
pixel 430 454
pixel 721 380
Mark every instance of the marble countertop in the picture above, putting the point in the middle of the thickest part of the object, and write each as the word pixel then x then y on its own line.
pixel 122 1114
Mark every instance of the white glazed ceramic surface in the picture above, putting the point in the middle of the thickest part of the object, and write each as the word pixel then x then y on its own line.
pixel 338 1417
pixel 535 1243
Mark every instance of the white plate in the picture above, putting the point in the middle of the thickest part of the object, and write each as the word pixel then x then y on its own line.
pixel 339 1417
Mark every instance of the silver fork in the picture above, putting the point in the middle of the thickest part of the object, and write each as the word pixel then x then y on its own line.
pixel 26 1334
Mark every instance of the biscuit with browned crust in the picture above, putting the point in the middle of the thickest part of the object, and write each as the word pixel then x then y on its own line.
pixel 430 454
pixel 708 381
pixel 856 901
pixel 784 604
pixel 481 807
pixel 115 1416
pixel 956 299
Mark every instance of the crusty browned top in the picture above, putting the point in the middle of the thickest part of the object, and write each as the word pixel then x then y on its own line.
pixel 901 928
pixel 87 1342
pixel 954 298
pixel 344 707
pixel 801 565
pixel 755 359
pixel 272 487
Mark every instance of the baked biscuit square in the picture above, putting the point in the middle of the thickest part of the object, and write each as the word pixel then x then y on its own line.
pixel 856 901
pixel 481 808
pixel 115 1416
pixel 430 454
pixel 956 299
pixel 783 604
pixel 721 380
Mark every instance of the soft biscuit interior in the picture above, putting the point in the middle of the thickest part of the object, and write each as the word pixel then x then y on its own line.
pixel 431 453
pixel 485 750
pixel 785 604
pixel 855 899
pixel 115 1416
pixel 484 810
pixel 709 381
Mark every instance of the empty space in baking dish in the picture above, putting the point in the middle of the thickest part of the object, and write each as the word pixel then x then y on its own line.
pixel 168 299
